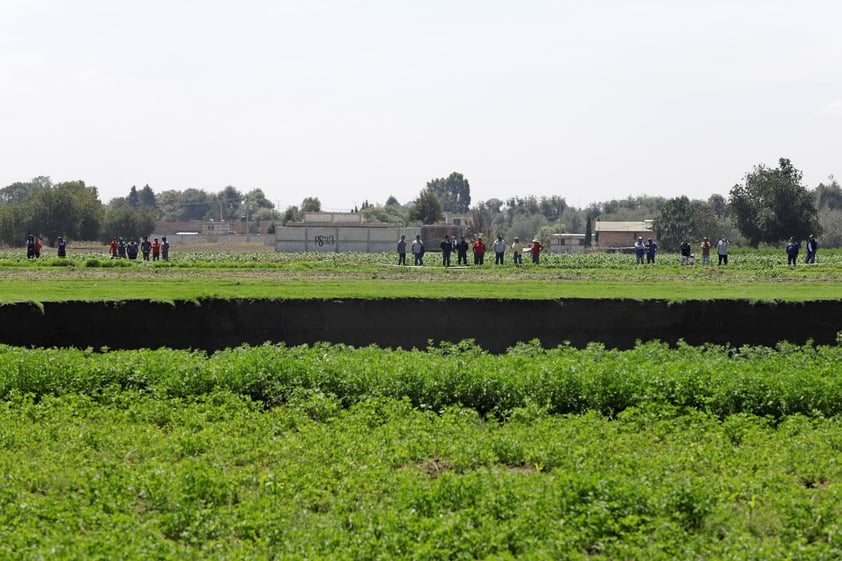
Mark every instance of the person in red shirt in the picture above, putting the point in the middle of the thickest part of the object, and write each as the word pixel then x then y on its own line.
pixel 156 249
pixel 113 248
pixel 479 252
pixel 535 249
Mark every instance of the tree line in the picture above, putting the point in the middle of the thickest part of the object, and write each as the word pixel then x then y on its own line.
pixel 75 211
pixel 769 205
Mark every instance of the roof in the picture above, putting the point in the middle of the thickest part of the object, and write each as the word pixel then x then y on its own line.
pixel 630 227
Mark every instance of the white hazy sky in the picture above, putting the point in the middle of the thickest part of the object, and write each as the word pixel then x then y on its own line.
pixel 353 100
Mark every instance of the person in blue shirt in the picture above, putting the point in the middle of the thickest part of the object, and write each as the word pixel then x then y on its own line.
pixel 651 247
pixel 792 248
pixel 639 250
pixel 812 248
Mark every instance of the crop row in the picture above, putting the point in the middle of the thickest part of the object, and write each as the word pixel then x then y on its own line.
pixel 742 260
pixel 773 382
pixel 145 477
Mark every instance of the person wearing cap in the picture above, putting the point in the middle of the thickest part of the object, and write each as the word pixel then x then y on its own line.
pixel 535 249
pixel 706 245
pixel 517 251
pixel 651 248
pixel 639 250
pixel 61 247
pixel 812 248
pixel 792 248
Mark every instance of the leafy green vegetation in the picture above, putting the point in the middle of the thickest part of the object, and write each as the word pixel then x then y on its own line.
pixel 752 275
pixel 334 452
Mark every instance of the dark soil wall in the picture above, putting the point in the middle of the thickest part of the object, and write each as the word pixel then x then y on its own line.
pixel 495 325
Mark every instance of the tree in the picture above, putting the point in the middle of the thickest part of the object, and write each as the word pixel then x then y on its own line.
pixel 589 232
pixel 674 223
pixel 552 207
pixel 127 222
pixel 829 196
pixel 428 208
pixel 70 209
pixel 311 204
pixel 134 197
pixel 229 201
pixel 453 192
pixel 146 198
pixel 197 205
pixel 771 205
pixel 291 214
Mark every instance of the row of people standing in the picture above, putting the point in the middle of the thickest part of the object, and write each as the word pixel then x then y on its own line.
pixel 793 247
pixel 649 248
pixel 122 249
pixel 33 247
pixel 449 245
pixel 706 247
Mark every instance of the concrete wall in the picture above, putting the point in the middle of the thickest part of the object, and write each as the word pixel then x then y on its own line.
pixel 340 238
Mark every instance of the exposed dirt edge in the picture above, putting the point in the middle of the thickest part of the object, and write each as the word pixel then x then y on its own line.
pixel 493 324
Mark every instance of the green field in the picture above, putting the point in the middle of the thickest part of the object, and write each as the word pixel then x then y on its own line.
pixel 190 276
pixel 331 452
pixel 336 453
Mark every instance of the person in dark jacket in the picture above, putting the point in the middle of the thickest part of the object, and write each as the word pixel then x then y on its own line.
pixel 462 252
pixel 812 248
pixel 792 249
pixel 446 247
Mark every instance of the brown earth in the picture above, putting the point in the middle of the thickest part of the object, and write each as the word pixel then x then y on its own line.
pixel 494 324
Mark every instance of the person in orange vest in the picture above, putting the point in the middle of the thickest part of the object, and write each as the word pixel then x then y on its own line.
pixel 535 249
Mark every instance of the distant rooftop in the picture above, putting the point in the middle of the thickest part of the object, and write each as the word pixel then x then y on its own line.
pixel 623 226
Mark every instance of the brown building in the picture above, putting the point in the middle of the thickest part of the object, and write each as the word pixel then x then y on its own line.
pixel 610 234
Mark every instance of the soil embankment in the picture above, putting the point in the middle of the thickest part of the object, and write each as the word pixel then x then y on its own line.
pixel 494 324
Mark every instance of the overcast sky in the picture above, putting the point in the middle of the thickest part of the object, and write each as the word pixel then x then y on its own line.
pixel 353 100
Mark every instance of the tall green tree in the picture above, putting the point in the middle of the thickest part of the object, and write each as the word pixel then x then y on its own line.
pixel 229 201
pixel 674 223
pixel 771 205
pixel 70 209
pixel 453 192
pixel 127 222
pixel 146 197
pixel 428 208
pixel 134 197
